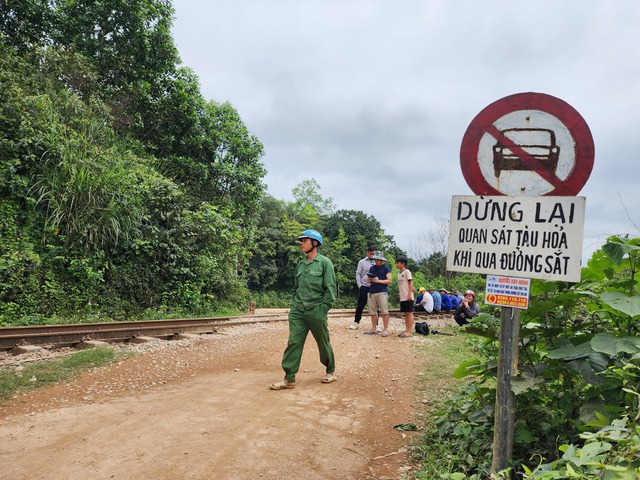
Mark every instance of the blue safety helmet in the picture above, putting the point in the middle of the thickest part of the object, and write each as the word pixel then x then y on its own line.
pixel 312 234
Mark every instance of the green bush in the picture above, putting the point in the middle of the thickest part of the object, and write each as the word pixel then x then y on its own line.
pixel 346 301
pixel 577 384
pixel 271 299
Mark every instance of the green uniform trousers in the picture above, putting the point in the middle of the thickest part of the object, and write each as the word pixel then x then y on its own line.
pixel 313 319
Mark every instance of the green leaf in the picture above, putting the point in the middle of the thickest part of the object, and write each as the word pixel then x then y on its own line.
pixel 467 368
pixel 585 368
pixel 571 352
pixel 612 345
pixel 523 435
pixel 590 412
pixel 527 382
pixel 590 451
pixel 569 452
pixel 616 251
pixel 622 302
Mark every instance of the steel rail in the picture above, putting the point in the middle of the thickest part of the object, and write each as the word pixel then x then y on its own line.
pixel 56 336
pixel 68 335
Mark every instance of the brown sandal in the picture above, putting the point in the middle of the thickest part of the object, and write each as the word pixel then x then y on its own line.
pixel 282 386
pixel 328 378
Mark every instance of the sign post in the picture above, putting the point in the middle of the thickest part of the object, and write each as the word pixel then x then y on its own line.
pixel 504 421
pixel 526 156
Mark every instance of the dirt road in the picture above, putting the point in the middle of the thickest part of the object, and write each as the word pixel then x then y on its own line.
pixel 202 410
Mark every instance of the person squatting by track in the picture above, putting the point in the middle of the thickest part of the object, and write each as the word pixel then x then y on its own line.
pixel 425 304
pixel 314 292
pixel 467 309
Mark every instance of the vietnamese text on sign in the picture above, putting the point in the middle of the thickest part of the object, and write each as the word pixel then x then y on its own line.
pixel 536 237
pixel 507 291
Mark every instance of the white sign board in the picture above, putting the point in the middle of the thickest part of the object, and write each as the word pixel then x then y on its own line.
pixel 532 237
pixel 507 291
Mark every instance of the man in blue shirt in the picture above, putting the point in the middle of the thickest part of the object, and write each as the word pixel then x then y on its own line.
pixel 379 278
pixel 437 300
pixel 446 302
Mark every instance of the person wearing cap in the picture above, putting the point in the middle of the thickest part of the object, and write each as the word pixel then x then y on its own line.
pixel 314 292
pixel 420 294
pixel 363 286
pixel 437 299
pixel 467 309
pixel 446 302
pixel 426 303
pixel 379 277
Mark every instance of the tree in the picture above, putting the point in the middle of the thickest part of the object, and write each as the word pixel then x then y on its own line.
pixel 434 267
pixel 270 255
pixel 122 189
pixel 360 229
pixel 129 42
pixel 431 251
pixel 236 170
pixel 309 205
pixel 224 166
pixel 178 125
pixel 26 23
pixel 335 249
pixel 433 241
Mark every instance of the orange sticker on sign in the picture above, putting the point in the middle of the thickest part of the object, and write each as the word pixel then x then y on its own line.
pixel 507 291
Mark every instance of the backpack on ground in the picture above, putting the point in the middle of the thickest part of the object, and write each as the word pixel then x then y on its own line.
pixel 422 327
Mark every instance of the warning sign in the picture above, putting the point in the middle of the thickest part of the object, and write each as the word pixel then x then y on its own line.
pixel 507 291
pixel 535 237
pixel 527 144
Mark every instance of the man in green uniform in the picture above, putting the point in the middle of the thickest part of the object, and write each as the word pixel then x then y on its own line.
pixel 314 292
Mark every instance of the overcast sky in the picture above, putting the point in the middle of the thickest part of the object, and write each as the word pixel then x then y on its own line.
pixel 372 98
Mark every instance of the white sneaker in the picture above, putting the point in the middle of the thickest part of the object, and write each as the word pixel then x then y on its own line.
pixel 379 328
pixel 354 326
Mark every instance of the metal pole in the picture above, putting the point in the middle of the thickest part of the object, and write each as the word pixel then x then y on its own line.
pixel 505 399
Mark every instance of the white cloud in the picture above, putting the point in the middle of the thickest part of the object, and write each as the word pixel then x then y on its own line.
pixel 372 98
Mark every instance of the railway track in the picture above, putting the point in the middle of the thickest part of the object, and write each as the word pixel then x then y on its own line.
pixel 59 336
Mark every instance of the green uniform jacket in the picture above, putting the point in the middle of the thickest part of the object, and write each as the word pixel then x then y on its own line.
pixel 315 283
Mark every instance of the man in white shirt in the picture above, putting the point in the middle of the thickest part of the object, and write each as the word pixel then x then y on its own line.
pixel 426 305
pixel 363 286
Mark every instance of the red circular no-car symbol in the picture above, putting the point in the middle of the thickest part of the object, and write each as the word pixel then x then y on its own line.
pixel 527 144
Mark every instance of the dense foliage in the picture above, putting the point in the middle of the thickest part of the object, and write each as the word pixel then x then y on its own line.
pixel 123 192
pixel 121 188
pixel 577 387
